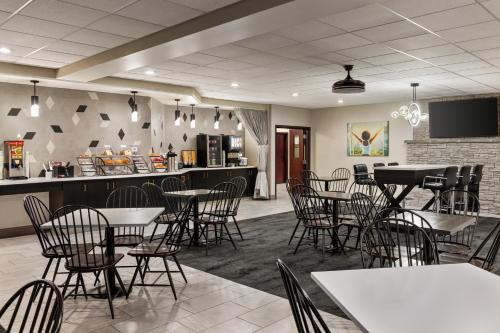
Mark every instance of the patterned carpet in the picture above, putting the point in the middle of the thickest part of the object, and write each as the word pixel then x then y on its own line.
pixel 266 238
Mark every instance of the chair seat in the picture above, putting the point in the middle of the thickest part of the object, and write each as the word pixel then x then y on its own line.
pixel 453 248
pixel 150 249
pixel 452 258
pixel 166 219
pixel 434 186
pixel 126 240
pixel 366 181
pixel 91 262
pixel 351 223
pixel 212 219
pixel 57 251
pixel 320 224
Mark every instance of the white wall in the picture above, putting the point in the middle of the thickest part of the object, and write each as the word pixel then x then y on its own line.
pixel 329 136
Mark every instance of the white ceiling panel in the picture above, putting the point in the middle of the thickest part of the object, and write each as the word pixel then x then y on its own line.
pixel 335 58
pixel 297 51
pixel 205 5
pixel 470 32
pixel 453 18
pixel 176 66
pixel 74 48
pixel 11 5
pixel 391 31
pixel 436 51
pixel 488 54
pixel 55 56
pixel 124 26
pixel 261 59
pixel 199 59
pixel 309 31
pixel 230 51
pixel 412 8
pixel 493 6
pixel 164 13
pixel 62 12
pixel 387 59
pixel 27 40
pixel 40 63
pixel 453 59
pixel 371 50
pixel 38 27
pixel 97 38
pixel 231 65
pixel 416 42
pixel 340 42
pixel 266 42
pixel 409 65
pixel 17 51
pixel 467 66
pixel 360 18
pixel 478 71
pixel 314 60
pixel 109 6
pixel 481 43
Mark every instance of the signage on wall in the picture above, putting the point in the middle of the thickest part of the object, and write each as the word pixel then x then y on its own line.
pixel 368 139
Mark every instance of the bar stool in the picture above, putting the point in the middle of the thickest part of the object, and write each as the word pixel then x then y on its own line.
pixel 440 183
pixel 362 177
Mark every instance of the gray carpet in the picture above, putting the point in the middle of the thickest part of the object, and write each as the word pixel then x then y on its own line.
pixel 266 238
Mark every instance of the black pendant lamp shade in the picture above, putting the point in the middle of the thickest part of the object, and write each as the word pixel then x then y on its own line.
pixel 192 117
pixel 348 85
pixel 177 121
pixel 135 114
pixel 35 106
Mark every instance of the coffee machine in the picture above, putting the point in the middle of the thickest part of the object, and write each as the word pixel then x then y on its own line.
pixel 232 146
pixel 15 159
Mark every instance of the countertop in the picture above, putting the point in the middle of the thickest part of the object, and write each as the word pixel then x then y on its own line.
pixel 42 180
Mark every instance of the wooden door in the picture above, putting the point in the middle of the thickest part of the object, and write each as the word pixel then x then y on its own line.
pixel 296 150
pixel 281 157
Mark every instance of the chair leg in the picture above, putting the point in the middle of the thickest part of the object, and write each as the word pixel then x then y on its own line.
pixel 119 278
pixel 300 241
pixel 230 238
pixel 46 271
pixel 294 231
pixel 216 237
pixel 154 232
pixel 349 230
pixel 139 262
pixel 66 284
pixel 170 278
pixel 206 240
pixel 146 265
pixel 179 267
pixel 110 297
pixel 77 285
pixel 80 276
pixel 323 244
pixel 237 227
pixel 58 262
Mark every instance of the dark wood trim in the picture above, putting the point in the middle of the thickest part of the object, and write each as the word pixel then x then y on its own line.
pixel 16 231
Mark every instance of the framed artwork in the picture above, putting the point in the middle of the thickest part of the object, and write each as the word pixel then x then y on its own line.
pixel 368 138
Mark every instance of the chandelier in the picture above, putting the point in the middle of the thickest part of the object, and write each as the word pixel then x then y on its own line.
pixel 411 112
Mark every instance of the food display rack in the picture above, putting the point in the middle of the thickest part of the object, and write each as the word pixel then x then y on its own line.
pixel 87 166
pixel 113 165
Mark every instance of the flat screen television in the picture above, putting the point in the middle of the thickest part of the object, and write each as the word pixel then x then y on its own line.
pixel 465 118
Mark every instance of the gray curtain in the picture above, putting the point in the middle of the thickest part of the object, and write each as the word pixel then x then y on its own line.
pixel 256 123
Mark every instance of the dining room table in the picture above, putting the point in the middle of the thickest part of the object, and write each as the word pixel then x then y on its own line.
pixel 458 298
pixel 326 180
pixel 117 218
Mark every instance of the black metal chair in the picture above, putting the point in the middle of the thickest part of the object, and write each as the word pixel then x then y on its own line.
pixel 174 184
pixel 315 217
pixel 484 261
pixel 464 176
pixel 290 183
pixel 311 179
pixel 168 246
pixel 340 177
pixel 215 213
pixel 441 183
pixel 241 186
pixel 476 177
pixel 39 214
pixel 392 164
pixel 35 307
pixel 395 242
pixel 81 231
pixel 362 176
pixel 156 198
pixel 307 317
pixel 376 165
pixel 128 197
pixel 463 203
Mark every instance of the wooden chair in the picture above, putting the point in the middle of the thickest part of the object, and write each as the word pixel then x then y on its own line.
pixel 35 307
pixel 341 177
pixel 174 184
pixel 156 198
pixel 241 186
pixel 290 183
pixel 168 246
pixel 307 317
pixel 311 179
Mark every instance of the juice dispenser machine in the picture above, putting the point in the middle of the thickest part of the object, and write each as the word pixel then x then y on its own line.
pixel 15 159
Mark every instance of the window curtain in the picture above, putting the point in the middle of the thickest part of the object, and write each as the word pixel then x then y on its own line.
pixel 256 123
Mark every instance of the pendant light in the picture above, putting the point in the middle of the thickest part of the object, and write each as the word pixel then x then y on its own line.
pixel 216 118
pixel 411 112
pixel 35 108
pixel 348 85
pixel 240 125
pixel 177 121
pixel 134 116
pixel 193 117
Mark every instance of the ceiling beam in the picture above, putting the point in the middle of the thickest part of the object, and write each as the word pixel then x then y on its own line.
pixel 30 72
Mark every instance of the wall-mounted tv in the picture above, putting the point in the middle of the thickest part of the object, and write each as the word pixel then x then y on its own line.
pixel 465 118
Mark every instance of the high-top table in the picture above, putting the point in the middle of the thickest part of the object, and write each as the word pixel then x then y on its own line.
pixel 327 180
pixel 408 176
pixel 118 217
pixel 458 298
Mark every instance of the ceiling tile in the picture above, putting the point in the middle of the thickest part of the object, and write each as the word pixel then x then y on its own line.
pixel 261 59
pixel 74 48
pixel 205 5
pixel 391 31
pixel 62 12
pixel 18 38
pixel 361 18
pixel 109 6
pixel 97 38
pixel 173 65
pixel 493 6
pixel 266 42
pixel 164 13
pixel 11 5
pixel 416 42
pixel 55 56
pixel 38 27
pixel 467 65
pixel 40 63
pixel 488 54
pixel 481 30
pixel 230 65
pixel 481 43
pixel 478 71
pixel 408 65
pixel 448 19
pixel 229 51
pixel 366 51
pixel 17 51
pixel 387 59
pixel 297 51
pixel 453 59
pixel 198 59
pixel 124 26
pixel 325 59
pixel 412 8
pixel 340 42
pixel 436 51
pixel 308 31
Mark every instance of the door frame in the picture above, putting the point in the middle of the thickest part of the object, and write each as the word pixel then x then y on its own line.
pixel 286 152
pixel 307 144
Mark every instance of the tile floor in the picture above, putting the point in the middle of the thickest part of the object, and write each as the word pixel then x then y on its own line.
pixel 207 303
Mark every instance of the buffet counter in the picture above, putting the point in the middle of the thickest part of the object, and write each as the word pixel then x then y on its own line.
pixel 94 190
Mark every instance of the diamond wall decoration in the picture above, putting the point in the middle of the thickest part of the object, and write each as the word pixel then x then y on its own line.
pixel 230 115
pixel 185 117
pixel 146 125
pixel 49 102
pixel 184 137
pixel 56 128
pixel 104 124
pixel 75 119
pixel 93 96
pixel 93 143
pixel 50 147
pixel 13 112
pixel 121 134
pixel 81 108
pixel 29 135
pixel 105 116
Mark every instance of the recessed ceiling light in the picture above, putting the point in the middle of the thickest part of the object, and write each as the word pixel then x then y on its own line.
pixel 4 50
pixel 235 84
pixel 340 101
pixel 150 72
pixel 295 95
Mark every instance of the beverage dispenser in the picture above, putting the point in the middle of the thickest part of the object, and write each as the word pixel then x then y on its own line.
pixel 15 160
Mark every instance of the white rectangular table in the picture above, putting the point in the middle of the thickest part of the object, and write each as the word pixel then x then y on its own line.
pixel 458 298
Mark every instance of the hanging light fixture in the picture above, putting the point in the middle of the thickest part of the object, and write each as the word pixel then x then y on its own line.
pixel 35 107
pixel 411 112
pixel 348 85
pixel 134 116
pixel 240 125
pixel 177 121
pixel 216 118
pixel 193 117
